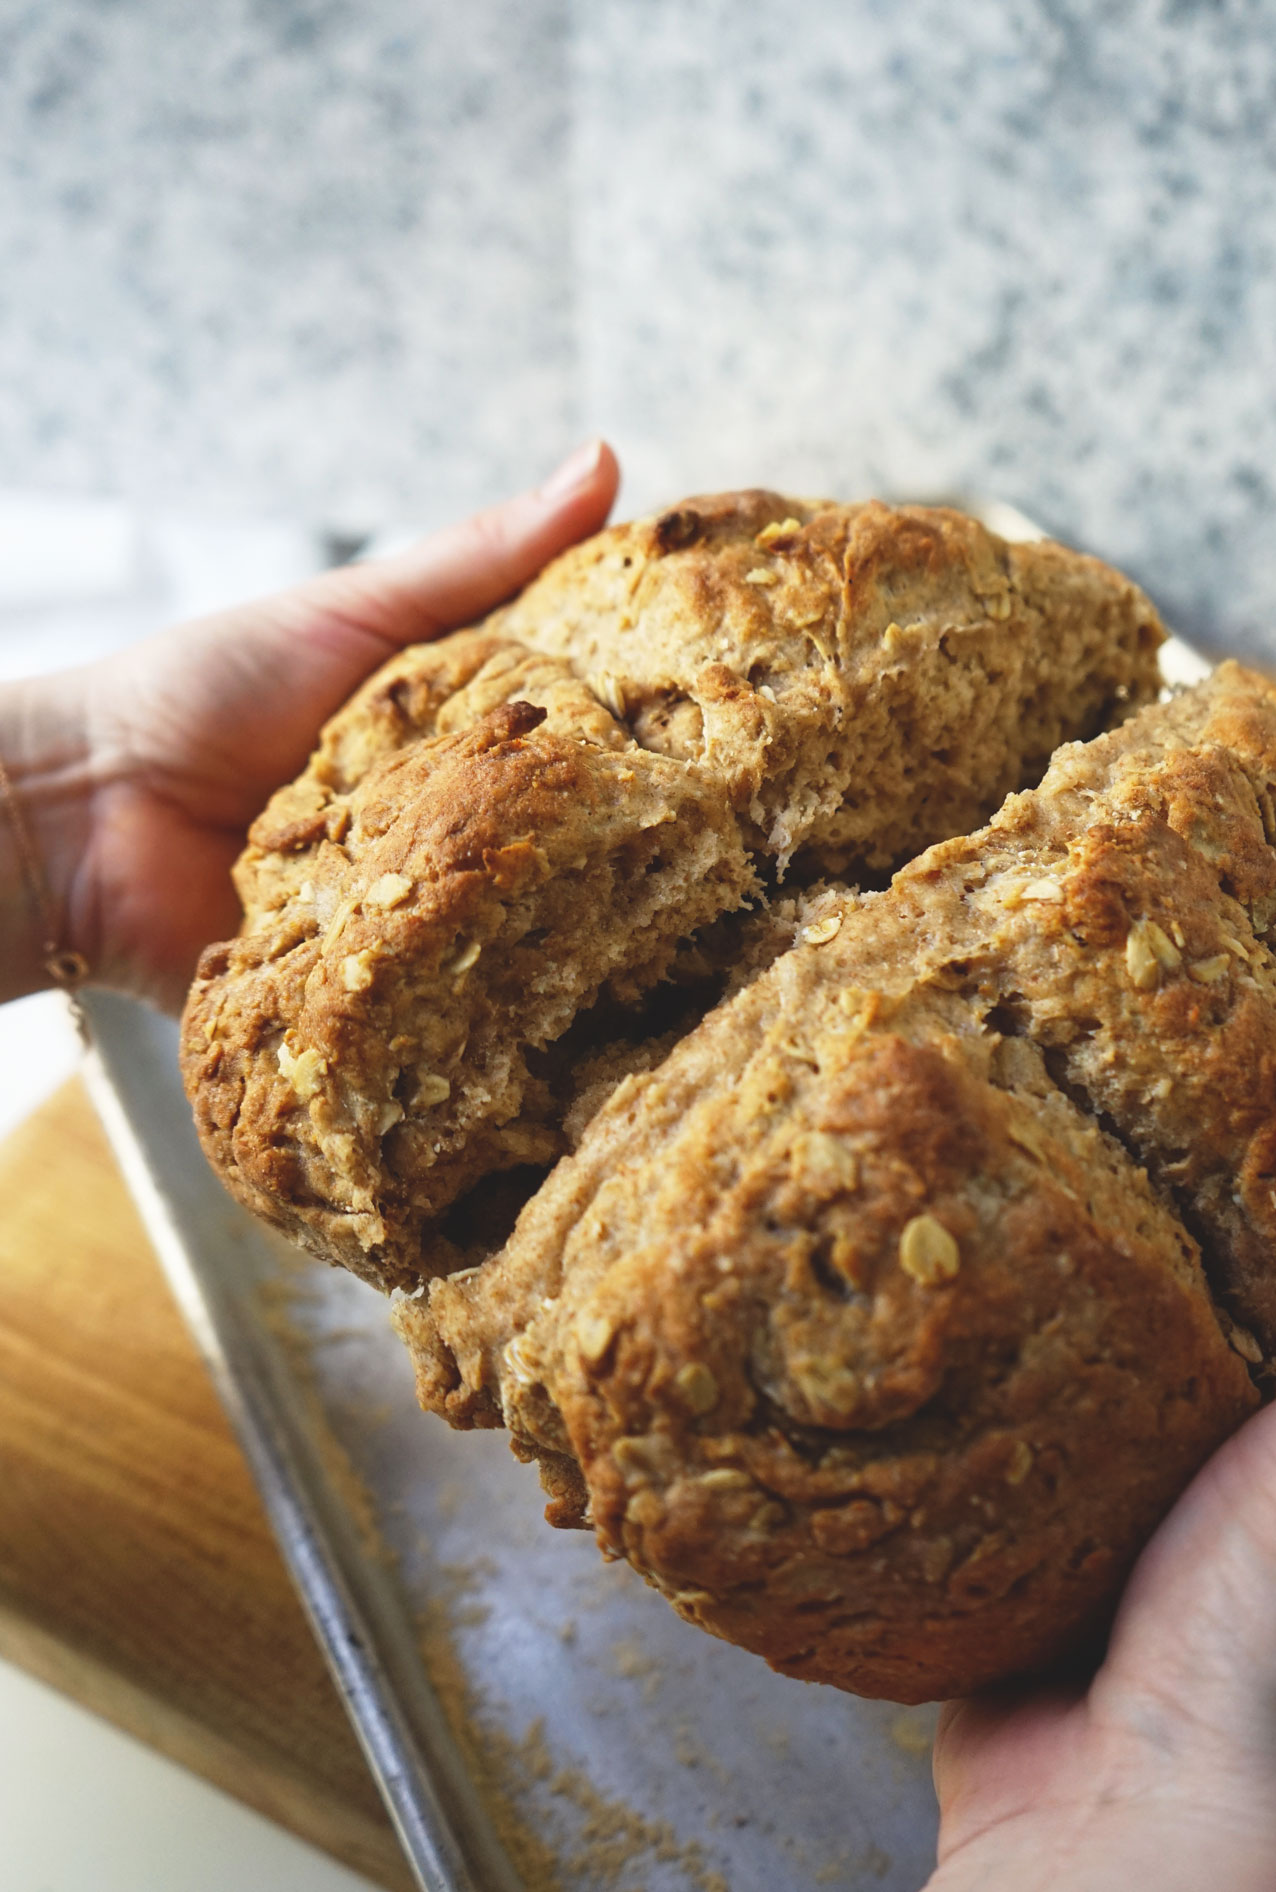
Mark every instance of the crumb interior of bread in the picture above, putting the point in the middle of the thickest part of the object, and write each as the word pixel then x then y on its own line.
pixel 610 928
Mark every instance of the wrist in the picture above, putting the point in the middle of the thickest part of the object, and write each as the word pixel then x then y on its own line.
pixel 45 826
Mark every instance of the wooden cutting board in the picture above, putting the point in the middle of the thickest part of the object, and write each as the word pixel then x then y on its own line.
pixel 138 1573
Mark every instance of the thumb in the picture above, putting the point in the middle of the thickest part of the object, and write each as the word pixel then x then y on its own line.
pixel 463 571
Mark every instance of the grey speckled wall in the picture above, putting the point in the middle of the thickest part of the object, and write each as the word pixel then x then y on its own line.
pixel 302 254
pixel 360 262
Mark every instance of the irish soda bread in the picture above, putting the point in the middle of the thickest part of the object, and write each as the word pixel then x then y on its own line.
pixel 529 819
pixel 903 1251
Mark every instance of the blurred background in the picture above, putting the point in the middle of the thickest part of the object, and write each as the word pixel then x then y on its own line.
pixel 354 265
pixel 282 278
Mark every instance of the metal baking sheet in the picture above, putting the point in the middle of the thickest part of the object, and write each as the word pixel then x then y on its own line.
pixel 536 1719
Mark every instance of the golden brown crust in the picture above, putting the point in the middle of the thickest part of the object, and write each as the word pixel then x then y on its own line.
pixel 865 679
pixel 877 1348
pixel 506 826
pixel 904 1483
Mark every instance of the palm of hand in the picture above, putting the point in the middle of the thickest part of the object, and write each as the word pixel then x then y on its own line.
pixel 210 721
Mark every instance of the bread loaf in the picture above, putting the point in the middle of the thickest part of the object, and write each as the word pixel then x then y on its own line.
pixel 871 1265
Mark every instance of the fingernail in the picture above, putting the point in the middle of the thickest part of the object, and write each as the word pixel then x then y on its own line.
pixel 577 470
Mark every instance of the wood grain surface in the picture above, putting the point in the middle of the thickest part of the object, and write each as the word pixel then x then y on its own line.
pixel 138 1573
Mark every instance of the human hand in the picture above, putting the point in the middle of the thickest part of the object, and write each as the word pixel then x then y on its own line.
pixel 1162 1772
pixel 138 775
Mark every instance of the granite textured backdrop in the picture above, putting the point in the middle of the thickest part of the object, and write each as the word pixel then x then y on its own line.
pixel 359 263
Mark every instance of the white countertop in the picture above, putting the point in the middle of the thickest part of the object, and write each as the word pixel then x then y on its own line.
pixel 84 1808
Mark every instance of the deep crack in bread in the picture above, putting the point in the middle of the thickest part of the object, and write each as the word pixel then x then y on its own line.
pixel 525 821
